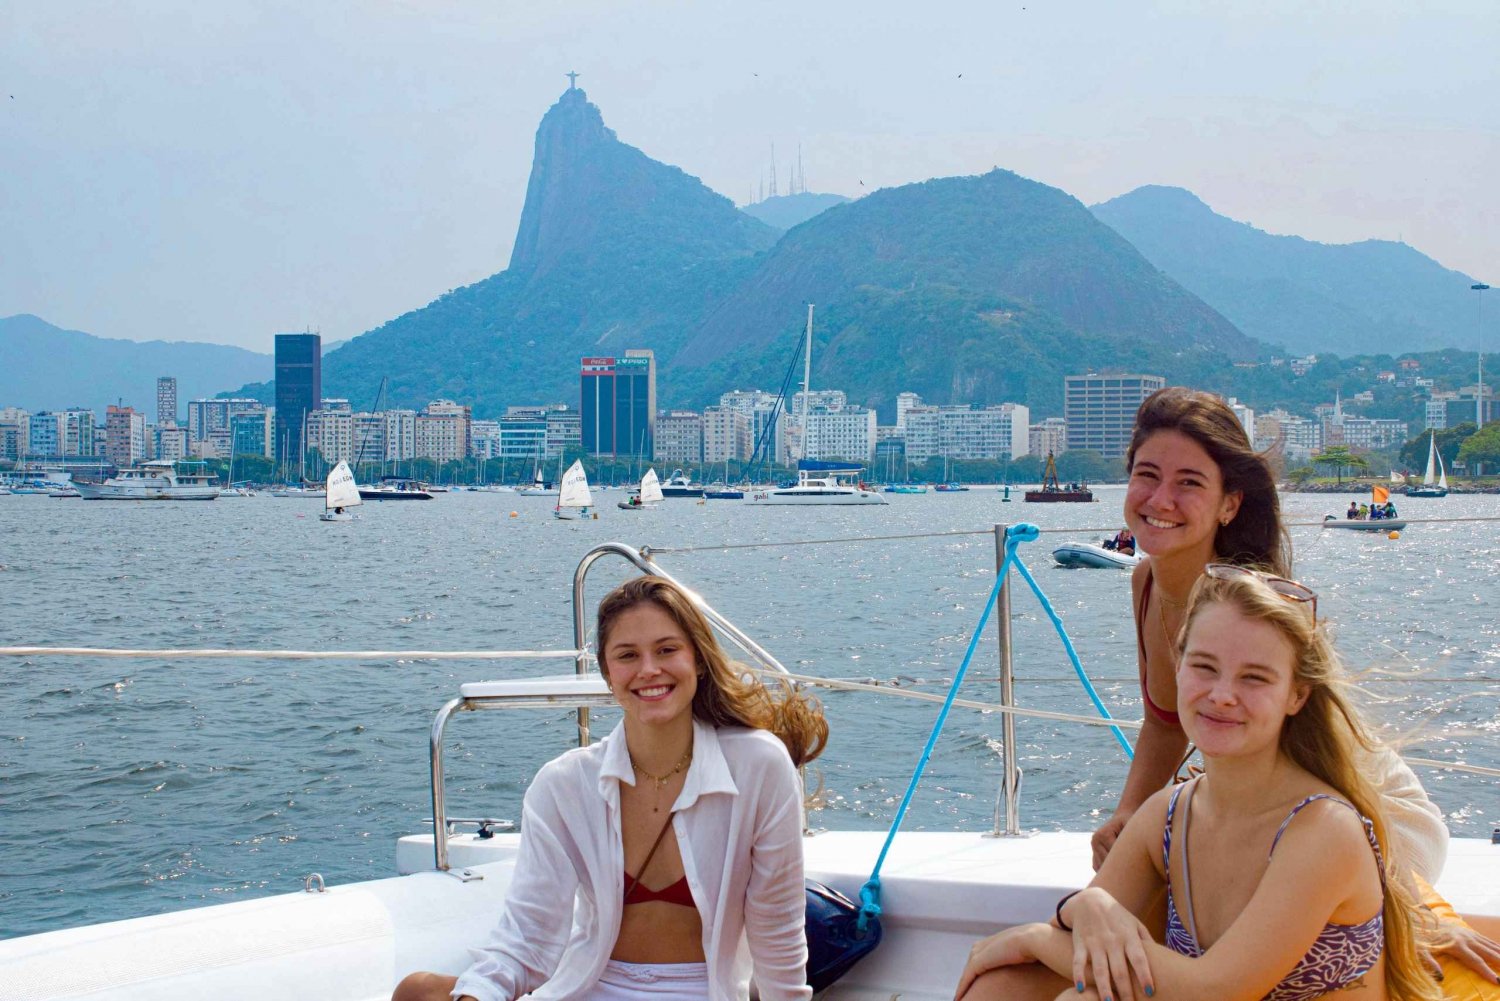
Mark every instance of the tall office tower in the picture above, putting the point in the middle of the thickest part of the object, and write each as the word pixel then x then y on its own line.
pixel 618 404
pixel 299 391
pixel 1100 409
pixel 166 402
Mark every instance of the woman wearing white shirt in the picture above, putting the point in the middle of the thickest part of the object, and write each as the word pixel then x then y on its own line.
pixel 665 861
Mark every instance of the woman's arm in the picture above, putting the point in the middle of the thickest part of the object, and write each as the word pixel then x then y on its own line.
pixel 536 922
pixel 775 898
pixel 1158 750
pixel 1323 862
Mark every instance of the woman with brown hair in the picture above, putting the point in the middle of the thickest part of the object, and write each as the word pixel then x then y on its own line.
pixel 650 860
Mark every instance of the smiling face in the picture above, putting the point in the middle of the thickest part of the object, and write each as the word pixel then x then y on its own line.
pixel 651 666
pixel 1236 682
pixel 1175 502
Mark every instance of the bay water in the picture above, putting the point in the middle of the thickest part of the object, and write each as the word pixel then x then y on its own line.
pixel 131 787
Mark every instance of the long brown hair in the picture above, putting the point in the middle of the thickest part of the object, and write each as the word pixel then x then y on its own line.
pixel 1255 536
pixel 1325 738
pixel 727 694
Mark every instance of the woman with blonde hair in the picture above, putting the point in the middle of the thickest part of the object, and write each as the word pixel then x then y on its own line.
pixel 664 862
pixel 1273 861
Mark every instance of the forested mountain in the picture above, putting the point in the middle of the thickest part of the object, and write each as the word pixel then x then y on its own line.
pixel 786 211
pixel 43 367
pixel 1361 298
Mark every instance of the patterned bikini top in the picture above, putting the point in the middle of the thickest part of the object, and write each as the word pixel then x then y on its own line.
pixel 1340 955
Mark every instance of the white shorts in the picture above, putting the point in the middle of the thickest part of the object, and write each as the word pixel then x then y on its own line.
pixel 656 981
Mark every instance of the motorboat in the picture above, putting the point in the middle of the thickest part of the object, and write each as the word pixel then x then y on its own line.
pixel 159 480
pixel 904 488
pixel 951 488
pixel 722 491
pixel 395 488
pixel 821 483
pixel 941 890
pixel 679 484
pixel 341 494
pixel 1074 555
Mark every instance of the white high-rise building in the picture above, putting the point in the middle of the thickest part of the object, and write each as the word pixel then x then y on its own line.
pixel 166 403
pixel 847 433
pixel 968 432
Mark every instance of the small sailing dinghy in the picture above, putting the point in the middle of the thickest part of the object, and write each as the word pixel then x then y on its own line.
pixel 342 494
pixel 573 499
pixel 647 498
pixel 1432 487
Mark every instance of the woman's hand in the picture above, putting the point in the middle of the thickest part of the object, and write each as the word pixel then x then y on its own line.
pixel 1478 952
pixel 1109 946
pixel 1011 947
pixel 1105 837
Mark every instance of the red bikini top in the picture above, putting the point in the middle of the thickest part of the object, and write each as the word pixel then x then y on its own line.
pixel 678 893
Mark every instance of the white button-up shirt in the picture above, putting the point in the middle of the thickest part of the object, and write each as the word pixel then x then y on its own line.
pixel 739 829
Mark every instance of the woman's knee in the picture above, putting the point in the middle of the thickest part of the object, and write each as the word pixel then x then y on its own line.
pixel 1032 982
pixel 424 987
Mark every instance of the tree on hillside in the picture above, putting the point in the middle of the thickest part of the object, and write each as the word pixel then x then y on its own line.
pixel 1339 458
pixel 1483 446
pixel 1449 442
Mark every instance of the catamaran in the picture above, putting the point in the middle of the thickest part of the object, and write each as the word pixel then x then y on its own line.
pixel 821 483
pixel 342 494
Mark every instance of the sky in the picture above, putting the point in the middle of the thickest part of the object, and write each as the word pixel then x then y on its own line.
pixel 230 170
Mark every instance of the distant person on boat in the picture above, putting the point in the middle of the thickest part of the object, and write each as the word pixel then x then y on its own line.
pixel 1364 511
pixel 1261 692
pixel 699 783
pixel 1124 542
pixel 1353 511
pixel 1390 510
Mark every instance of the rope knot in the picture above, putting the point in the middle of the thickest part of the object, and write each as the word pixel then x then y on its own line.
pixel 1023 532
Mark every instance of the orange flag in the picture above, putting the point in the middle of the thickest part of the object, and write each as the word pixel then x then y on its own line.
pixel 1380 494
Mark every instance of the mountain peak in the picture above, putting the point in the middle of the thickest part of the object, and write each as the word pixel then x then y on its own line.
pixel 592 198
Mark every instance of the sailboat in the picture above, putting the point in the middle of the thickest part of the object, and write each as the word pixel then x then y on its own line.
pixel 538 487
pixel 574 500
pixel 649 497
pixel 342 494
pixel 1432 487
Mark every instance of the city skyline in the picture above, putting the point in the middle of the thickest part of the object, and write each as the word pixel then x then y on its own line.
pixel 342 184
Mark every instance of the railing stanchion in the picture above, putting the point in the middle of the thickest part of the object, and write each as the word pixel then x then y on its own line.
pixel 439 794
pixel 1010 824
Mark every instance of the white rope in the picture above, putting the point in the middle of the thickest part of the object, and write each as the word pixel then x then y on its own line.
pixel 1453 766
pixel 902 693
pixel 86 651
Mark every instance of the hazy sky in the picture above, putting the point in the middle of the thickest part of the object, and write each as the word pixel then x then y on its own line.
pixel 223 171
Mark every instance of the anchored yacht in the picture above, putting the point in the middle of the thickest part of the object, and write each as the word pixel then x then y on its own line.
pixel 158 480
pixel 821 483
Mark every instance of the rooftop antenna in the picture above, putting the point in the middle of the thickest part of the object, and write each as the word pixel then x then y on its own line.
pixel 773 170
pixel 801 177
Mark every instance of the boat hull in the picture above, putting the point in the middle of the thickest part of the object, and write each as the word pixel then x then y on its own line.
pixel 377 494
pixel 1075 555
pixel 335 516
pixel 105 492
pixel 1378 525
pixel 1426 492
pixel 792 496
pixel 1059 496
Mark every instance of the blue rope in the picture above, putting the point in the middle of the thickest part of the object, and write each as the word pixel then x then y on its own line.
pixel 1088 686
pixel 869 893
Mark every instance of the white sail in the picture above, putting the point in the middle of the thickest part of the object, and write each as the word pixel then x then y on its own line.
pixel 650 488
pixel 1397 477
pixel 1442 472
pixel 575 487
pixel 342 490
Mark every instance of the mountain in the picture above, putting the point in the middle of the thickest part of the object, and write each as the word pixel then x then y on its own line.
pixel 614 251
pixel 43 367
pixel 978 289
pixel 786 211
pixel 1359 298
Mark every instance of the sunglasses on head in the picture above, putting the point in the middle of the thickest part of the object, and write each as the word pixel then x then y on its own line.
pixel 1291 590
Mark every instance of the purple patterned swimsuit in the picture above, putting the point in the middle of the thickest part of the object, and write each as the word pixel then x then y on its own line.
pixel 1340 955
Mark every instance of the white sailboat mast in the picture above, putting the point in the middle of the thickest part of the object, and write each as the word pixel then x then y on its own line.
pixel 807 382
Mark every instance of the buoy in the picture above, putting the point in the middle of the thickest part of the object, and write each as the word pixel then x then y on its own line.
pixel 513 514
pixel 1394 535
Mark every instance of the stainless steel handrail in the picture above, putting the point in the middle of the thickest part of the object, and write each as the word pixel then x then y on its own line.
pixel 581 659
pixel 1010 781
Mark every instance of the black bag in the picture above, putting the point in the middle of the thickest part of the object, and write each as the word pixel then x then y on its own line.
pixel 834 941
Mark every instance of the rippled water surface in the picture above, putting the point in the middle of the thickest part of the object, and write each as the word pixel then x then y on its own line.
pixel 129 787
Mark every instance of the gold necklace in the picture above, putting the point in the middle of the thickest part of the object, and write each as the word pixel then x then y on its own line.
pixel 1161 616
pixel 662 780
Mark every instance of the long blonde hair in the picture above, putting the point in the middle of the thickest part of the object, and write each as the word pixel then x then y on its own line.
pixel 1324 738
pixel 727 695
